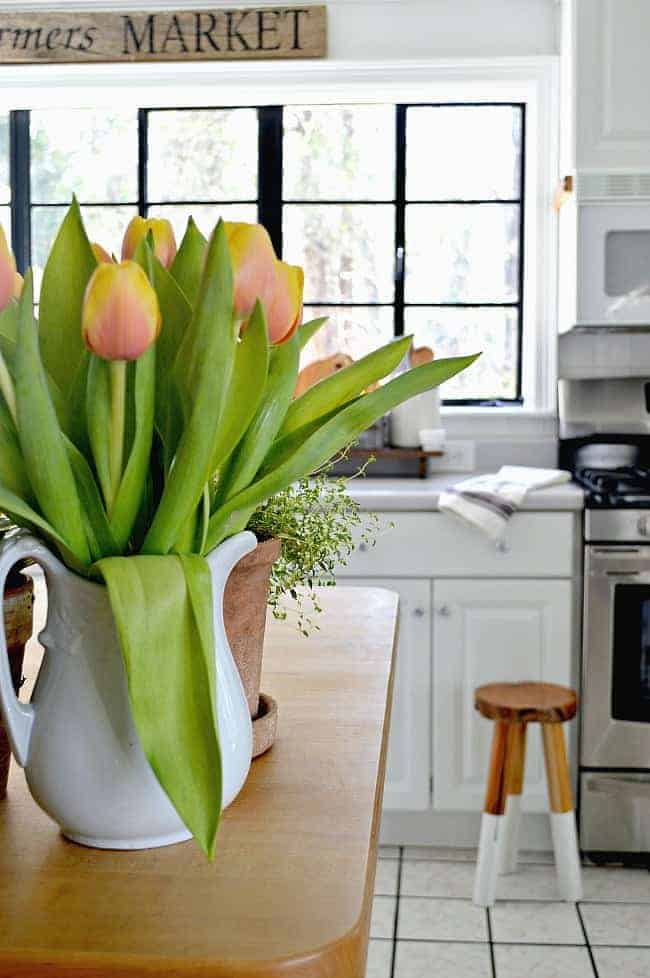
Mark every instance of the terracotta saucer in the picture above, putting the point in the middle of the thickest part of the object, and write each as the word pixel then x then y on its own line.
pixel 265 724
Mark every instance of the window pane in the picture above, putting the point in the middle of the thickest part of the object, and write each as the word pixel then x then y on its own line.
pixel 209 154
pixel 205 215
pixel 462 253
pixel 339 152
pixel 463 152
pixel 5 190
pixel 353 331
pixel 456 332
pixel 91 153
pixel 346 251
pixel 105 225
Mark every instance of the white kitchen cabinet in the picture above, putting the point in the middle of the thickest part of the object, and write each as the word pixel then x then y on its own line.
pixel 489 631
pixel 613 78
pixel 408 775
pixel 436 545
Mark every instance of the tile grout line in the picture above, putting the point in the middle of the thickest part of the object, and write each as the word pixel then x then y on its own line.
pixel 491 942
pixel 587 942
pixel 514 899
pixel 396 918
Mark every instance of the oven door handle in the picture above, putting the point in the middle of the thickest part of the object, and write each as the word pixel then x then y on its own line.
pixel 626 787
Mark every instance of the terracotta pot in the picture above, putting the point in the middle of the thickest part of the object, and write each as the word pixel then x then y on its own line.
pixel 244 608
pixel 18 604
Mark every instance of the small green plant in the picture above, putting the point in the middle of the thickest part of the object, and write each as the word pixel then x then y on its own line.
pixel 316 520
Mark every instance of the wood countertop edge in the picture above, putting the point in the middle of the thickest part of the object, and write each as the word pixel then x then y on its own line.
pixel 349 950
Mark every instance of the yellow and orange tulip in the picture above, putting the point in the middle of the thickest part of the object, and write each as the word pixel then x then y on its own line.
pixel 121 316
pixel 8 280
pixel 164 242
pixel 284 306
pixel 253 266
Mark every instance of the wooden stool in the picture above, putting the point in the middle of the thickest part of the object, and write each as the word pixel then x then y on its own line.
pixel 513 706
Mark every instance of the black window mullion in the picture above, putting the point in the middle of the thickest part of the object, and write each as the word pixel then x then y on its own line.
pixel 19 181
pixel 400 215
pixel 269 207
pixel 143 160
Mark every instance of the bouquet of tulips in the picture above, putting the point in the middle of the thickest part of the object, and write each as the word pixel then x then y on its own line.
pixel 143 418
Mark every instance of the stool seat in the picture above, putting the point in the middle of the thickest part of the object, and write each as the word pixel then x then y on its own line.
pixel 526 702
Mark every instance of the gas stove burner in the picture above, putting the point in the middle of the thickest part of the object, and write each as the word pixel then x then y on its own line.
pixel 628 486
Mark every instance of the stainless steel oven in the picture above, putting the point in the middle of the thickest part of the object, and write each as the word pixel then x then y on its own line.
pixel 615 748
pixel 616 665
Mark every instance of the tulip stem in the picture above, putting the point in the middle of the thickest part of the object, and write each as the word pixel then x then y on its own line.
pixel 117 379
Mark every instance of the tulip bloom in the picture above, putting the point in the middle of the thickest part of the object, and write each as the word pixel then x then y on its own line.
pixel 164 242
pixel 7 273
pixel 253 266
pixel 100 253
pixel 121 317
pixel 284 307
pixel 18 285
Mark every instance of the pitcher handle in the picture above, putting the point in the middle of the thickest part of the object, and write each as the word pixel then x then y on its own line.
pixel 19 717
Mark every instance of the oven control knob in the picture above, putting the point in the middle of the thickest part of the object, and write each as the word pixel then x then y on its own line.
pixel 643 526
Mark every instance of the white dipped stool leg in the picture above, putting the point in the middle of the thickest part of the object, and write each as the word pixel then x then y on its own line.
pixel 563 823
pixel 509 840
pixel 487 865
pixel 567 855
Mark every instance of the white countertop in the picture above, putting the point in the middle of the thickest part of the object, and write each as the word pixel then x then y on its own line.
pixel 394 495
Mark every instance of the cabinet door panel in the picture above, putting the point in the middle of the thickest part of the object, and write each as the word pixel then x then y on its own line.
pixel 613 74
pixel 408 774
pixel 491 631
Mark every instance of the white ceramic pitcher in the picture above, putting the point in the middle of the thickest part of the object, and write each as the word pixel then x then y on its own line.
pixel 76 739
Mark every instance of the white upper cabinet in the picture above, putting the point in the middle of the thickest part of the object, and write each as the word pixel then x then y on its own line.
pixel 613 81
pixel 484 632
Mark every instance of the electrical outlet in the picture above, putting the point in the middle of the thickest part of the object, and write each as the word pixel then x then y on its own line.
pixel 460 456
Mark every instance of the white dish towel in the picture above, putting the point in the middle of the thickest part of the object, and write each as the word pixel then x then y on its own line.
pixel 487 502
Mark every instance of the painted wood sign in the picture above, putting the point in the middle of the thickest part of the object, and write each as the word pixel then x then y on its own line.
pixel 30 37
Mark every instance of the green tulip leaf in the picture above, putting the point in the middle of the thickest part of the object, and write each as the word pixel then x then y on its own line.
pixel 176 314
pixel 41 439
pixel 70 264
pixel 203 371
pixel 13 474
pixel 345 384
pixel 24 515
pixel 246 387
pixel 254 446
pixel 307 330
pixel 332 436
pixel 187 267
pixel 132 487
pixel 98 419
pixel 9 321
pixel 98 531
pixel 163 612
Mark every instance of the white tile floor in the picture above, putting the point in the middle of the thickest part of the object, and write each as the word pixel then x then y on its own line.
pixel 424 923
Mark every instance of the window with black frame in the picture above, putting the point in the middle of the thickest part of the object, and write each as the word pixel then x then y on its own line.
pixel 406 218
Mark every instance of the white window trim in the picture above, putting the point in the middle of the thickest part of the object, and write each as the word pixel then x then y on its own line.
pixel 533 80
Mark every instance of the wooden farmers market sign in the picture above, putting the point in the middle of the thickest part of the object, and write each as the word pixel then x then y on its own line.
pixel 201 35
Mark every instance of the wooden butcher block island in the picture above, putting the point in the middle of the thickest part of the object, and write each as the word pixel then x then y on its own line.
pixel 290 891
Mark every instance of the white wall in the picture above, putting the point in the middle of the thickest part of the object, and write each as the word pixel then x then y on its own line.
pixel 441 28
pixel 395 29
